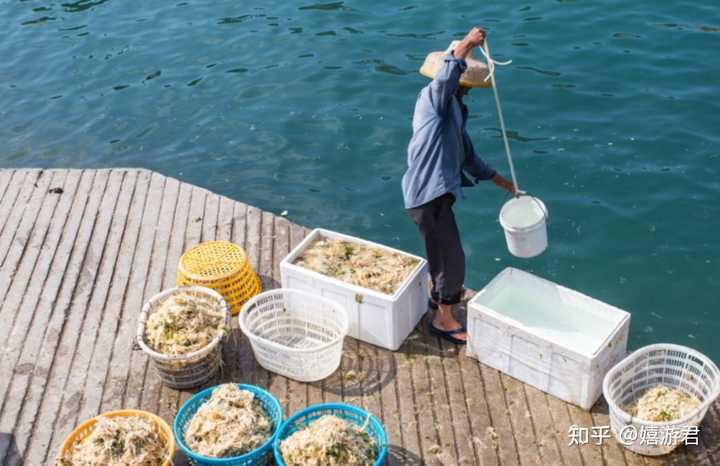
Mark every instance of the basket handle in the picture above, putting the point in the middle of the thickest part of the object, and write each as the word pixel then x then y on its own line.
pixel 519 193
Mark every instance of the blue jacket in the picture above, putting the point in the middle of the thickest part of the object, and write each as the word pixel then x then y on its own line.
pixel 440 148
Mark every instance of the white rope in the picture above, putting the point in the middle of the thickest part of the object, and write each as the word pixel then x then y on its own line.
pixel 491 75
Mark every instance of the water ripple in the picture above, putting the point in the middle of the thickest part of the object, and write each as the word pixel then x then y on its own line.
pixel 82 5
pixel 325 6
pixel 40 20
pixel 539 70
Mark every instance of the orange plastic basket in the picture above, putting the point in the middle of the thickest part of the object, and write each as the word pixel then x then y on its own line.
pixel 86 428
pixel 223 267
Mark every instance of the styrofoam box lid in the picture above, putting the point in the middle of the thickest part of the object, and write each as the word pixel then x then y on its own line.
pixel 555 313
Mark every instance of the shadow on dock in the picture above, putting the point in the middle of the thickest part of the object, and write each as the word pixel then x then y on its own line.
pixel 399 456
pixel 9 450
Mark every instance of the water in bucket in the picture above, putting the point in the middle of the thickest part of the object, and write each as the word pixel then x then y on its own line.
pixel 524 219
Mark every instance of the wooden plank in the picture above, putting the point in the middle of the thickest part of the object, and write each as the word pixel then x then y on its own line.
pixel 13 205
pixel 5 177
pixel 404 393
pixel 112 306
pixel 81 328
pixel 17 313
pixel 422 407
pixel 352 365
pixel 458 406
pixel 14 272
pixel 612 452
pixel 20 303
pixel 502 428
pixel 521 421
pixel 11 193
pixel 591 453
pixel 137 262
pixel 67 317
pixel 545 429
pixel 561 421
pixel 485 438
pixel 370 381
pixel 40 342
pixel 449 452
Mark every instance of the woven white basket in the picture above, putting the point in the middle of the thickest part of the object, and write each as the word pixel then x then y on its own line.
pixel 671 365
pixel 295 333
pixel 192 369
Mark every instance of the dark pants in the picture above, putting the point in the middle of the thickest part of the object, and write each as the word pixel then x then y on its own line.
pixel 445 254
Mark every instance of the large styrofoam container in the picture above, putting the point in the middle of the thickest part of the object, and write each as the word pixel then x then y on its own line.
pixel 377 318
pixel 546 335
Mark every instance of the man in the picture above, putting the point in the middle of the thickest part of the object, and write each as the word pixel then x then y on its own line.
pixel 439 152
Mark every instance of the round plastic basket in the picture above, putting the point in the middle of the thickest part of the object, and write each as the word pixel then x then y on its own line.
pixel 259 457
pixel 86 428
pixel 186 370
pixel 222 266
pixel 349 413
pixel 295 333
pixel 671 365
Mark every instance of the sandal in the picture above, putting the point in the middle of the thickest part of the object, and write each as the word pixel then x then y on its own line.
pixel 448 334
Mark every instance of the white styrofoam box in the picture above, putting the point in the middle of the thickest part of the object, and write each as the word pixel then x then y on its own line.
pixel 546 335
pixel 377 318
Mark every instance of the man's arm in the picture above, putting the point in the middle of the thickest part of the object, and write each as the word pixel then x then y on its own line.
pixel 479 170
pixel 473 164
pixel 447 80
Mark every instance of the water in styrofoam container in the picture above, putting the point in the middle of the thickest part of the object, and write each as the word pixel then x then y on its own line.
pixel 557 316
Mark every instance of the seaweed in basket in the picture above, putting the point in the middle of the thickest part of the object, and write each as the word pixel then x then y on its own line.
pixel 117 441
pixel 184 323
pixel 358 264
pixel 329 441
pixel 664 404
pixel 230 423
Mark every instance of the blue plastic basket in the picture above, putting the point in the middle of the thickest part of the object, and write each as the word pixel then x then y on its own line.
pixel 260 456
pixel 348 412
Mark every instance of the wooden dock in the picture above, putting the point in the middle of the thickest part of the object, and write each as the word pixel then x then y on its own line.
pixel 82 250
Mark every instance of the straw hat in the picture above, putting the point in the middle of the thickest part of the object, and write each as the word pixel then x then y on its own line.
pixel 474 76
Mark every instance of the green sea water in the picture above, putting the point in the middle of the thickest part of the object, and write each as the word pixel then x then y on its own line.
pixel 613 109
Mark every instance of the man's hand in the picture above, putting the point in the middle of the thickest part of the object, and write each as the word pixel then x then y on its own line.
pixel 474 38
pixel 504 183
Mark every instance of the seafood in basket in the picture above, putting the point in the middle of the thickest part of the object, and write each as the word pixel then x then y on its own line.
pixel 231 422
pixel 662 404
pixel 329 441
pixel 117 441
pixel 184 323
pixel 181 330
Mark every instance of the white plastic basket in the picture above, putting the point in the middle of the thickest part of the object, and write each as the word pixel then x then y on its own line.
pixel 295 333
pixel 671 365
pixel 192 369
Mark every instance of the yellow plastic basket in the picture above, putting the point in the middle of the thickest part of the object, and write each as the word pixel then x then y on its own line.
pixel 86 428
pixel 223 267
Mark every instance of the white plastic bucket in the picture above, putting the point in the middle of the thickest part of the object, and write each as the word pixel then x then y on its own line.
pixel 524 219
